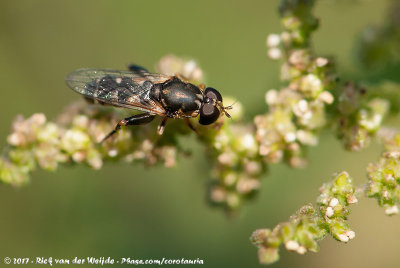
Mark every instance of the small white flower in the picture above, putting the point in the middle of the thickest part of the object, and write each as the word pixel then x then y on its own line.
pixel 230 178
pixel 16 139
pixel 112 152
pixel 321 62
pixel 352 199
pixel 273 40
pixel 49 131
pixel 290 137
pixel 232 200
pixel 192 71
pixel 245 186
pixel 385 194
pixel 292 245
pixel 393 154
pixel 253 167
pixel 329 212
pixel 333 202
pixel 274 53
pixel 350 234
pixel 324 201
pixel 343 238
pixel 306 137
pixel 218 194
pixel 286 37
pixel 248 141
pixel 227 158
pixel 369 122
pixel 221 140
pixel 38 118
pixel 389 177
pixel 301 250
pixel 147 145
pixel 264 150
pixel 74 140
pixel 311 83
pixel 78 156
pixel 95 162
pixel 190 66
pixel 326 97
pixel 308 115
pixel 81 121
pixel 271 97
pixel 302 106
pixel 392 210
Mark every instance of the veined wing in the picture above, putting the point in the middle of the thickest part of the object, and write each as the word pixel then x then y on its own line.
pixel 118 88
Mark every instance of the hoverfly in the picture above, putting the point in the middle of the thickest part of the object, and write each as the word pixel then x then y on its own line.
pixel 153 94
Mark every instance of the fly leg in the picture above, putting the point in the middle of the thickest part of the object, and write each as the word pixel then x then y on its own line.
pixel 138 69
pixel 161 127
pixel 138 119
pixel 190 125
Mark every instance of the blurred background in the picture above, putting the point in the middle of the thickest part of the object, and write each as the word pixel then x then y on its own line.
pixel 143 213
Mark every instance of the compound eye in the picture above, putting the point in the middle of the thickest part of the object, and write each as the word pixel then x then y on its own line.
pixel 212 93
pixel 208 114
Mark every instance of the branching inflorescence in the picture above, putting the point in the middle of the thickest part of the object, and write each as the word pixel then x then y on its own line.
pixel 301 233
pixel 384 177
pixel 297 112
pixel 240 152
pixel 359 115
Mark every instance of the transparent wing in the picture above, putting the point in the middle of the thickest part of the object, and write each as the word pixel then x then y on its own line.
pixel 129 89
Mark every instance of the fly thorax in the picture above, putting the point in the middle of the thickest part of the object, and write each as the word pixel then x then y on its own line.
pixel 179 96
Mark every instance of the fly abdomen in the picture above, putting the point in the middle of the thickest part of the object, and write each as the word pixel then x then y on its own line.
pixel 118 89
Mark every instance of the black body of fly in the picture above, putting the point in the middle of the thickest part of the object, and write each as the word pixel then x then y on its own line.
pixel 153 94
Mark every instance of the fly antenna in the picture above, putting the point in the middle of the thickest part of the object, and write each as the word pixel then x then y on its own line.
pixel 224 108
pixel 230 106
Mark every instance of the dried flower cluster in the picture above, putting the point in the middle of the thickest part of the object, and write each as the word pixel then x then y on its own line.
pixel 74 138
pixel 299 234
pixel 360 116
pixel 241 152
pixel 334 202
pixel 384 177
pixel 233 150
pixel 305 228
pixel 297 112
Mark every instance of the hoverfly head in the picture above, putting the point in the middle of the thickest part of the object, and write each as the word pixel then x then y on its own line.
pixel 212 107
